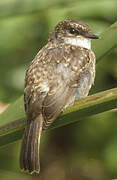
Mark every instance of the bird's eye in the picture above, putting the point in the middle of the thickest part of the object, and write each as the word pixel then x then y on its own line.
pixel 73 31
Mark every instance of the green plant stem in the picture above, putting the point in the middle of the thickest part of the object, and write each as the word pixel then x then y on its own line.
pixel 107 41
pixel 81 109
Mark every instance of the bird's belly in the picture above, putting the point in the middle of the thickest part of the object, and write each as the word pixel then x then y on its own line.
pixel 85 82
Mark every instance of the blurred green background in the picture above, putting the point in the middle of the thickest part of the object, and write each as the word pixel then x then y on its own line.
pixel 85 150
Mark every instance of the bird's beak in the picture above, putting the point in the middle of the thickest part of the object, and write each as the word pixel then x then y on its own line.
pixel 91 36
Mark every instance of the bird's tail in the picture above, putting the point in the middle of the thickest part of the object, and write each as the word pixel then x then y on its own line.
pixel 29 157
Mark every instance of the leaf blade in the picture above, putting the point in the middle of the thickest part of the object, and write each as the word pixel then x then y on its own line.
pixel 94 104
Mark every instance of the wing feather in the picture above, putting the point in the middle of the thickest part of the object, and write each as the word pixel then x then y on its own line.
pixel 54 104
pixel 51 79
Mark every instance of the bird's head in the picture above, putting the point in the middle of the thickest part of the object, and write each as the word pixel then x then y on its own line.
pixel 74 32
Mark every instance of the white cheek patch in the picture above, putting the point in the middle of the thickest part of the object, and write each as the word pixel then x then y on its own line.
pixel 79 41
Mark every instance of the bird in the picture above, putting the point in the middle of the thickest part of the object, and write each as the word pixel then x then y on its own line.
pixel 62 72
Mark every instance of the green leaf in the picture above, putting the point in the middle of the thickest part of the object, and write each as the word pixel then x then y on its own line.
pixel 106 42
pixel 91 105
pixel 12 121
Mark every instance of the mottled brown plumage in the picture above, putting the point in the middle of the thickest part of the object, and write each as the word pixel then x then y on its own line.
pixel 62 72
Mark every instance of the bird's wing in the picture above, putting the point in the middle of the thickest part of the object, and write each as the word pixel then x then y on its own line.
pixel 50 81
pixel 69 63
pixel 54 104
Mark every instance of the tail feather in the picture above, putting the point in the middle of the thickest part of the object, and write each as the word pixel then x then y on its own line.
pixel 29 157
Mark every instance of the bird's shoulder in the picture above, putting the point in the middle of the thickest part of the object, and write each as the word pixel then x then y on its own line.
pixel 53 54
pixel 52 63
pixel 54 58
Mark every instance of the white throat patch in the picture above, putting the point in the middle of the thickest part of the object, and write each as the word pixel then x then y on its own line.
pixel 79 41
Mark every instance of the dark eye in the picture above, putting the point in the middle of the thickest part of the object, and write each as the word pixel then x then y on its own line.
pixel 73 31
